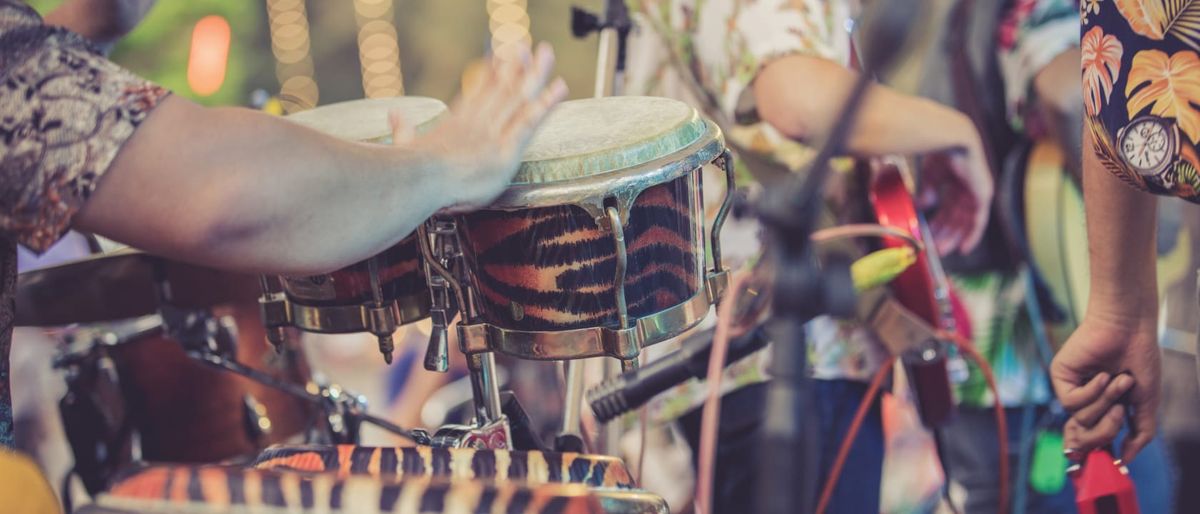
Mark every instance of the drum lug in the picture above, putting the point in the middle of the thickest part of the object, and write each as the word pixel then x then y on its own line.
pixel 495 435
pixel 276 313
pixel 715 285
pixel 718 267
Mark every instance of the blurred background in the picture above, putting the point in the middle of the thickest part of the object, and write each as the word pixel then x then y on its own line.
pixel 219 52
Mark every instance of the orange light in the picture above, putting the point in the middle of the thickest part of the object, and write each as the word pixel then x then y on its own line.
pixel 209 55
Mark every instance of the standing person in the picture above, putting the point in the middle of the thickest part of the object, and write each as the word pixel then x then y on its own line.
pixel 1037 49
pixel 1141 86
pixel 90 145
pixel 775 74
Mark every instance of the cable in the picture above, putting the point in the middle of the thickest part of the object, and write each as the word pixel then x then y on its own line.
pixel 968 349
pixel 712 404
pixel 835 471
pixel 873 391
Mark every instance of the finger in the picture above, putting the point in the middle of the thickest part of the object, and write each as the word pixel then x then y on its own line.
pixel 1075 397
pixel 1144 428
pixel 1091 413
pixel 402 131
pixel 521 127
pixel 978 227
pixel 539 71
pixel 1084 439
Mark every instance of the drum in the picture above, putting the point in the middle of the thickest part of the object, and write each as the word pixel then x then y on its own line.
pixel 376 295
pixel 598 246
pixel 174 489
pixel 133 394
pixel 606 477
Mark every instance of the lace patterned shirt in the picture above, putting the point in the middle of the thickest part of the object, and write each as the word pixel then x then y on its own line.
pixel 65 111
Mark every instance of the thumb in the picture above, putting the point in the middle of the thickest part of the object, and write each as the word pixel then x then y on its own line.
pixel 402 131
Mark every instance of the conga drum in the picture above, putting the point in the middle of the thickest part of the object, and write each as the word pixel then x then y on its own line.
pixel 376 295
pixel 598 247
pixel 136 395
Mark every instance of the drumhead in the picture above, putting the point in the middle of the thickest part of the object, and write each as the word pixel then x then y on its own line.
pixel 366 120
pixel 583 138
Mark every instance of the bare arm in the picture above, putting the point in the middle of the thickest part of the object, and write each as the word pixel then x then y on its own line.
pixel 239 189
pixel 888 123
pixel 102 21
pixel 1119 332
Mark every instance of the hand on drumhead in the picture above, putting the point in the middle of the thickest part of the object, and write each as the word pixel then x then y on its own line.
pixel 484 135
pixel 960 185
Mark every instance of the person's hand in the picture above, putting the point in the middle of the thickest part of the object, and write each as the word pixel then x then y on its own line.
pixel 1108 365
pixel 959 184
pixel 481 140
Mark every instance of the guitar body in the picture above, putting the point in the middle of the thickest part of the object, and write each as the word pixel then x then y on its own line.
pixel 1055 228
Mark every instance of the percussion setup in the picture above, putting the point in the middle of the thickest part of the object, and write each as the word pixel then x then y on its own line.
pixel 598 249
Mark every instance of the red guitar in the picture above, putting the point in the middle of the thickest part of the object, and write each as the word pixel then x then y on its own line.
pixel 922 289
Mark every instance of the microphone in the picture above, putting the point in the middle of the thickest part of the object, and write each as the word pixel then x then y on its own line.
pixel 630 390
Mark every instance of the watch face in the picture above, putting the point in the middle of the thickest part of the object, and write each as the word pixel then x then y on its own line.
pixel 1148 144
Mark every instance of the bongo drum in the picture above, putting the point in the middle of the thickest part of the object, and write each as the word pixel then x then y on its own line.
pixel 598 246
pixel 376 295
pixel 128 382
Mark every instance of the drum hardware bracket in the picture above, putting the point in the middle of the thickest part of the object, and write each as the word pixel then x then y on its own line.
pixel 382 324
pixel 440 233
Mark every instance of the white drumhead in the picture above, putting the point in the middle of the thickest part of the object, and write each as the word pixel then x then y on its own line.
pixel 582 138
pixel 367 120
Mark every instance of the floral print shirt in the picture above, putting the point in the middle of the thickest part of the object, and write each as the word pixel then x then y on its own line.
pixel 708 53
pixel 65 111
pixel 1141 90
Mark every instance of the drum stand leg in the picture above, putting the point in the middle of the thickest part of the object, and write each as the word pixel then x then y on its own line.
pixel 570 439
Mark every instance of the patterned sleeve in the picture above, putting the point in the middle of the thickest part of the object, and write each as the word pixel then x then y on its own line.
pixel 65 111
pixel 725 43
pixel 1031 34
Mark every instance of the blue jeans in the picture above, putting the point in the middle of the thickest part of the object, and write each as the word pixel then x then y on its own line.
pixel 971 443
pixel 738 447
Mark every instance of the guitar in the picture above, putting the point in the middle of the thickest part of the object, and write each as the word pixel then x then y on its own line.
pixel 924 290
pixel 1055 232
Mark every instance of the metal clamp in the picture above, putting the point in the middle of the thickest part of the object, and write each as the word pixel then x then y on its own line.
pixel 279 311
pixel 718 277
pixel 587 342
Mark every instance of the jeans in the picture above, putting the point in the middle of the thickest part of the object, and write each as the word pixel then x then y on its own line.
pixel 970 441
pixel 738 448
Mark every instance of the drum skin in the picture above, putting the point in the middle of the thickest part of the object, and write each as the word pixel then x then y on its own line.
pixel 553 268
pixel 186 411
pixel 400 273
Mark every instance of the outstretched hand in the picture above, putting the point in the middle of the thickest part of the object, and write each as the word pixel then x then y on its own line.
pixel 482 138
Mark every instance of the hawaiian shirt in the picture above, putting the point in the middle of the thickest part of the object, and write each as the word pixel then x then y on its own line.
pixel 1030 35
pixel 708 52
pixel 1141 91
pixel 65 111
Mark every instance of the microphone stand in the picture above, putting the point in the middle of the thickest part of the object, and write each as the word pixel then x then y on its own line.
pixel 614 29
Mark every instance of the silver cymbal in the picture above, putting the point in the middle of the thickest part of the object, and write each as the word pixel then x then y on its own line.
pixel 122 285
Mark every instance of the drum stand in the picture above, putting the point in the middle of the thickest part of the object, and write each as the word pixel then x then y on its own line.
pixel 446 274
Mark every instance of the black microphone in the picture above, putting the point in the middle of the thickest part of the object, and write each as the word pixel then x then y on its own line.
pixel 631 390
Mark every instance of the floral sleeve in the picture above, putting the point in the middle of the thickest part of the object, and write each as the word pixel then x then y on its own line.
pixel 1141 90
pixel 1031 34
pixel 65 111
pixel 725 43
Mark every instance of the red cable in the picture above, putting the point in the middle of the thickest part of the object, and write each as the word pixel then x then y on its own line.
pixel 844 450
pixel 968 349
pixel 876 382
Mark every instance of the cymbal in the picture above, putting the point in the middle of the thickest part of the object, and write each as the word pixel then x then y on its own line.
pixel 121 285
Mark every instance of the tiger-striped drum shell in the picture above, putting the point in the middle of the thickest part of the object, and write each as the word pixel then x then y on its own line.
pixel 543 257
pixel 402 278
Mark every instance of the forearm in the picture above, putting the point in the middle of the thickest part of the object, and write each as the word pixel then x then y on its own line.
pixel 1121 226
pixel 888 122
pixel 205 185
